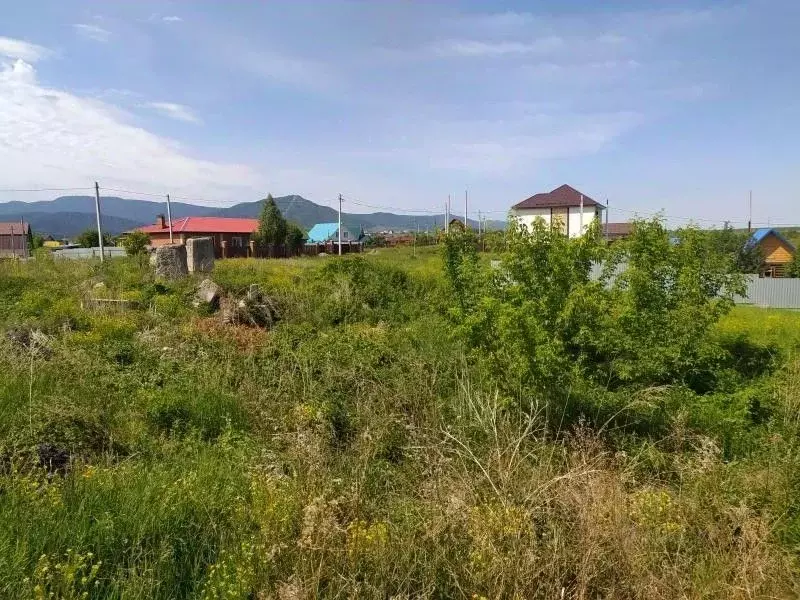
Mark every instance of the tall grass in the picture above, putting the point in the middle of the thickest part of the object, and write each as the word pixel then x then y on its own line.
pixel 353 451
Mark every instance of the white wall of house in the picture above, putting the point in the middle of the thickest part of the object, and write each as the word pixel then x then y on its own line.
pixel 575 219
pixel 526 216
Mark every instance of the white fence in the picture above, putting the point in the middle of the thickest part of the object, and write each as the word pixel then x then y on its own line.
pixel 110 252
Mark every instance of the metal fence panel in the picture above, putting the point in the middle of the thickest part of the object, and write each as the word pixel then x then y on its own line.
pixel 773 293
pixel 112 252
pixel 761 291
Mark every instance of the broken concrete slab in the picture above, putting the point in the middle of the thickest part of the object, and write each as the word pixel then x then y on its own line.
pixel 170 261
pixel 200 254
pixel 208 293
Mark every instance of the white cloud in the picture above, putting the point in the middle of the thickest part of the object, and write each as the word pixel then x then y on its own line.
pixel 51 137
pixel 179 112
pixel 172 19
pixel 516 143
pixel 92 32
pixel 476 48
pixel 28 52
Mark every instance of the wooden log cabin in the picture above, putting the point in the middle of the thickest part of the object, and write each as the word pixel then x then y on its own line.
pixel 778 252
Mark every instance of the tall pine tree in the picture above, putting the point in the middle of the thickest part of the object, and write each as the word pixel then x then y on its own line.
pixel 272 227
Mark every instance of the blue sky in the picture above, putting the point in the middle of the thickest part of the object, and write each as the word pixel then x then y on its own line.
pixel 681 106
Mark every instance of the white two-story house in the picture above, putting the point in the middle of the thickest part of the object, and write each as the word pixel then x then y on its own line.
pixel 560 208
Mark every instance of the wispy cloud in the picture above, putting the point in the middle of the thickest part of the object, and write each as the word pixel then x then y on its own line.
pixel 179 112
pixel 477 48
pixel 172 19
pixel 92 32
pixel 28 52
pixel 49 135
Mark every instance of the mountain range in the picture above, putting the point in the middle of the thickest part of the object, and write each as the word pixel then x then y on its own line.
pixel 67 216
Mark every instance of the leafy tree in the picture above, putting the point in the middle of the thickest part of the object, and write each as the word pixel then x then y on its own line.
pixel 548 326
pixel 135 243
pixel 37 241
pixel 295 238
pixel 272 227
pixel 747 257
pixel 90 239
pixel 794 266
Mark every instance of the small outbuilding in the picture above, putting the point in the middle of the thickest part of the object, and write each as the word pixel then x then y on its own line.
pixel 15 239
pixel 777 251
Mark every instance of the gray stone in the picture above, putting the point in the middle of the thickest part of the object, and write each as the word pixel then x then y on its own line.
pixel 200 254
pixel 171 261
pixel 208 293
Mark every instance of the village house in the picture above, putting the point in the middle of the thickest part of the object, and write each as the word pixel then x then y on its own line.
pixel 231 236
pixel 777 251
pixel 564 208
pixel 328 232
pixel 15 239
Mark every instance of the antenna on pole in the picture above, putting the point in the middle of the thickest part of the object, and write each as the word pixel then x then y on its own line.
pixel 99 225
pixel 169 218
pixel 340 224
pixel 466 210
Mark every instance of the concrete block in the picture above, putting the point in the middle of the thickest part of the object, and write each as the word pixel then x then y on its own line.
pixel 170 261
pixel 200 254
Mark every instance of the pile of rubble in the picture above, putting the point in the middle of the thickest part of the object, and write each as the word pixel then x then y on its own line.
pixel 255 309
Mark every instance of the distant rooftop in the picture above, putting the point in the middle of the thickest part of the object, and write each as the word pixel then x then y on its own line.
pixel 204 225
pixel 560 197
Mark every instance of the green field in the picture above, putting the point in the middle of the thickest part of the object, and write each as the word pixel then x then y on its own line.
pixel 363 449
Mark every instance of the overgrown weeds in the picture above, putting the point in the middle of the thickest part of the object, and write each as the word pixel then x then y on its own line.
pixel 366 447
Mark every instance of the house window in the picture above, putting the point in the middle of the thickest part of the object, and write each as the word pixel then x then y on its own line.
pixel 345 234
pixel 237 242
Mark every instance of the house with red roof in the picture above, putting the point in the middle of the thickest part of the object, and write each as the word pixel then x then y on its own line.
pixel 231 236
pixel 564 208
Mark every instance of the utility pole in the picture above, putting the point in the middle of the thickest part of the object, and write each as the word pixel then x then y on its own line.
pixel 169 218
pixel 466 211
pixel 99 225
pixel 340 224
pixel 750 217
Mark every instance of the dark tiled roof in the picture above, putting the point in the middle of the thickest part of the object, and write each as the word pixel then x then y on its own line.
pixel 619 229
pixel 562 196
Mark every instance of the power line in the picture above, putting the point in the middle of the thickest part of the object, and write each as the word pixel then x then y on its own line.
pixel 9 190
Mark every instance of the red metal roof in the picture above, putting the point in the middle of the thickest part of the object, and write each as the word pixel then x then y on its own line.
pixel 14 228
pixel 205 225
pixel 560 197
